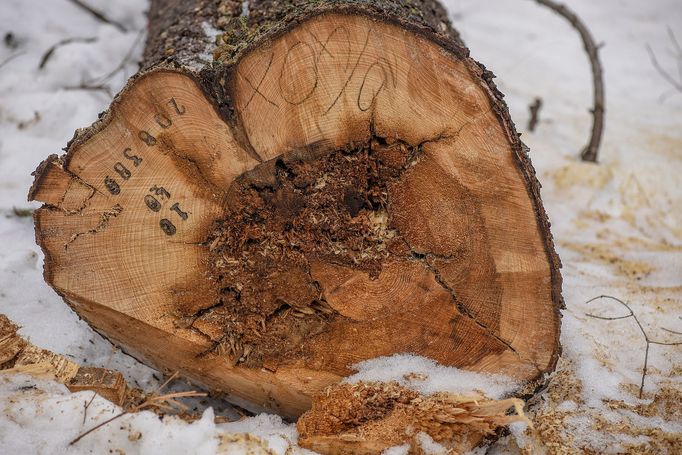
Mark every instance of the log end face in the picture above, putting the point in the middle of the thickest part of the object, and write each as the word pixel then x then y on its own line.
pixel 366 189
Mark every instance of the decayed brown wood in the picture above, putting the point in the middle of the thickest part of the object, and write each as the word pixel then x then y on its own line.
pixel 342 182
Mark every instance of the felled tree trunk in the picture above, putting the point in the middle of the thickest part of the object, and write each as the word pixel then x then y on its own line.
pixel 288 188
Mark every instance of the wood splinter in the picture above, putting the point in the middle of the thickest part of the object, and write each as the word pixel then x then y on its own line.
pixel 19 356
pixel 321 184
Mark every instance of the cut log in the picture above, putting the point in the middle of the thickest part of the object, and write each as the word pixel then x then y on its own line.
pixel 323 183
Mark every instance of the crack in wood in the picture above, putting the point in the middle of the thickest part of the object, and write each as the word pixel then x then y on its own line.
pixel 103 223
pixel 424 259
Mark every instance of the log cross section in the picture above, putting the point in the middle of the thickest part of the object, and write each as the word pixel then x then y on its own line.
pixel 341 182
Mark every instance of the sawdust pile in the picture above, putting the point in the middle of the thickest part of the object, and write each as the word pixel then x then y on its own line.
pixel 559 429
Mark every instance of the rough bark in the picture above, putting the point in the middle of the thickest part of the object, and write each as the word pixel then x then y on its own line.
pixel 177 29
pixel 329 182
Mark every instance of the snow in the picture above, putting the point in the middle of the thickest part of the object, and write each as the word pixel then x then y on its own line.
pixel 617 226
pixel 397 450
pixel 27 92
pixel 47 417
pixel 429 446
pixel 427 377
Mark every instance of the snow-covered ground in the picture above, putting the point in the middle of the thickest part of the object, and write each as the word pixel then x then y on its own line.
pixel 617 225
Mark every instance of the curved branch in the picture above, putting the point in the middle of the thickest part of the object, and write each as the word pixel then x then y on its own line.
pixel 591 151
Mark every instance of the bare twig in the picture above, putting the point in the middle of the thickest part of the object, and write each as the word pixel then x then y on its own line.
pixel 534 114
pixel 46 56
pixel 98 15
pixel 97 88
pixel 10 58
pixel 122 64
pixel 87 405
pixel 648 340
pixel 678 50
pixel 164 402
pixel 96 427
pixel 591 151
pixel 101 83
pixel 676 84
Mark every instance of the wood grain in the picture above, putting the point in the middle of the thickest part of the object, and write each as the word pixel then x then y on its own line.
pixel 466 274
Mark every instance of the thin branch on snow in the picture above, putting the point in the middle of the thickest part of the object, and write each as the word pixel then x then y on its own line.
pixel 648 340
pixel 101 83
pixel 96 88
pixel 87 405
pixel 96 427
pixel 672 331
pixel 10 58
pixel 98 15
pixel 675 83
pixel 678 50
pixel 591 151
pixel 121 66
pixel 46 56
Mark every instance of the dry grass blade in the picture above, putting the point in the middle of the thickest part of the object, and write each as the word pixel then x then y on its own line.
pixel 167 402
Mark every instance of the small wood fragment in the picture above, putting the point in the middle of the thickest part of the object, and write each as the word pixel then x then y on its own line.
pixel 106 383
pixel 368 418
pixel 19 356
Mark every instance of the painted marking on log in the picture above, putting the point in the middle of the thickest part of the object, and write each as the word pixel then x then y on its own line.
pixel 167 226
pixel 296 89
pixel 134 158
pixel 147 138
pixel 158 196
pixel 291 98
pixel 256 89
pixel 180 110
pixel 176 208
pixel 355 67
pixel 163 121
pixel 375 93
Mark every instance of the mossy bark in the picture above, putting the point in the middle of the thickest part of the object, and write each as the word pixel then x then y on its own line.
pixel 180 30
